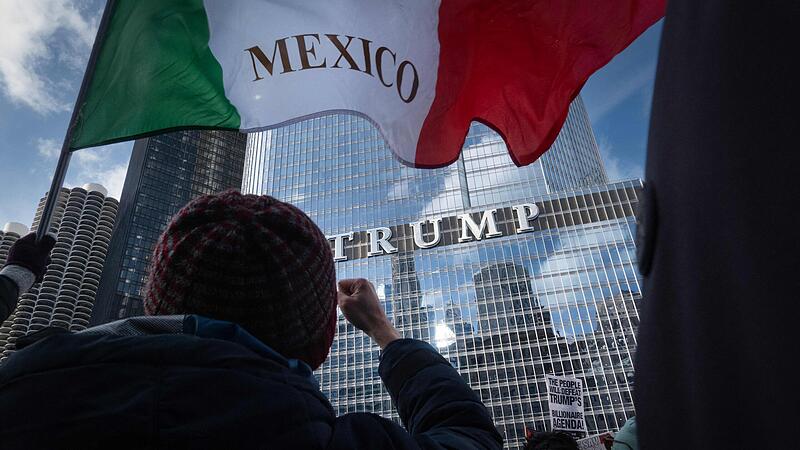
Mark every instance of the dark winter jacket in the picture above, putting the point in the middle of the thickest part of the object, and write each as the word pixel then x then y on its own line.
pixel 9 292
pixel 718 246
pixel 193 382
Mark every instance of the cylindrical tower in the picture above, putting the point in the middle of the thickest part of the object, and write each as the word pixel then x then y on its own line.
pixel 82 222
pixel 8 235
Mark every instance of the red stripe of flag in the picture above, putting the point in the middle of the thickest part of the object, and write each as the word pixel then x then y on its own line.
pixel 516 65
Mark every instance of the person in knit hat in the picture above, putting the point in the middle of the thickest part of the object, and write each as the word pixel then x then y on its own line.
pixel 241 303
pixel 254 261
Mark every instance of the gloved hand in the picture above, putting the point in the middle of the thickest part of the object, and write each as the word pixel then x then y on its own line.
pixel 32 255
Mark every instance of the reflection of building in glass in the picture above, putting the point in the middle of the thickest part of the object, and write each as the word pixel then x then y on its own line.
pixel 505 310
pixel 614 341
pixel 505 301
pixel 82 222
pixel 454 321
pixel 165 172
pixel 410 316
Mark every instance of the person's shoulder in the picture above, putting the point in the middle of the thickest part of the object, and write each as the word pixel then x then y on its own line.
pixel 211 383
pixel 70 350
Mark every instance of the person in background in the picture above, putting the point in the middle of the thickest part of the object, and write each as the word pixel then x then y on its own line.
pixel 550 441
pixel 625 439
pixel 718 243
pixel 241 306
pixel 25 265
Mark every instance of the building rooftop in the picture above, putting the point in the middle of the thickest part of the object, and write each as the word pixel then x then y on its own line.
pixel 16 228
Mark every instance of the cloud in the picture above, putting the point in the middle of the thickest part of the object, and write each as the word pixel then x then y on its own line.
pixel 617 169
pixel 564 274
pixel 400 189
pixel 48 148
pixel 90 156
pixel 437 205
pixel 620 90
pixel 106 165
pixel 37 35
pixel 113 179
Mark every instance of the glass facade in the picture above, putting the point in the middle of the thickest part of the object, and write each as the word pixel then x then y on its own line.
pixel 555 296
pixel 572 161
pixel 165 172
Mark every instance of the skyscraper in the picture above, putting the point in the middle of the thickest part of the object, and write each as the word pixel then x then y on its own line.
pixel 410 316
pixel 8 235
pixel 164 173
pixel 526 295
pixel 82 222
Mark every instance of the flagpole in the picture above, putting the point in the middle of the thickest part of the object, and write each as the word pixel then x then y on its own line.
pixel 65 155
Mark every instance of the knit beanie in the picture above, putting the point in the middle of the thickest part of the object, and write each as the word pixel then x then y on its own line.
pixel 252 260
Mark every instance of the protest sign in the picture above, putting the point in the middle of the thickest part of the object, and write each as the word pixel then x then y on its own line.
pixel 565 396
pixel 595 442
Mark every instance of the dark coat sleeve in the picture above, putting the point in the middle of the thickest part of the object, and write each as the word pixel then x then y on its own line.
pixel 9 294
pixel 435 404
pixel 720 308
pixel 437 407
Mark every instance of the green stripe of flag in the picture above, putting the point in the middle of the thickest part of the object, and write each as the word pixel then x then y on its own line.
pixel 154 72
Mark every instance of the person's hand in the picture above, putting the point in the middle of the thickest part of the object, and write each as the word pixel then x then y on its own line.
pixel 32 255
pixel 360 305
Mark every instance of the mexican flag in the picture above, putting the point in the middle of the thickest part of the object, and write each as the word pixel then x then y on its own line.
pixel 420 70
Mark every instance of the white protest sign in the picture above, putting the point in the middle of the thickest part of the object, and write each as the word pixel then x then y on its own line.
pixel 565 395
pixel 593 442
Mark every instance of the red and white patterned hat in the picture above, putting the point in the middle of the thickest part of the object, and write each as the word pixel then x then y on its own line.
pixel 252 260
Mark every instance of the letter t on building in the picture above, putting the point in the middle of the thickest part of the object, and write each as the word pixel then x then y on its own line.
pixel 338 245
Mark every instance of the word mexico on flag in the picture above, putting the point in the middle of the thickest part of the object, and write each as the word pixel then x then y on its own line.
pixel 420 70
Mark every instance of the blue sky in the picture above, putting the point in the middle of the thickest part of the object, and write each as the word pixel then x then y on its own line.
pixel 44 45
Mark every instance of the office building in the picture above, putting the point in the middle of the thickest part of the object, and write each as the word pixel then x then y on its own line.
pixel 164 174
pixel 8 235
pixel 82 222
pixel 548 285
